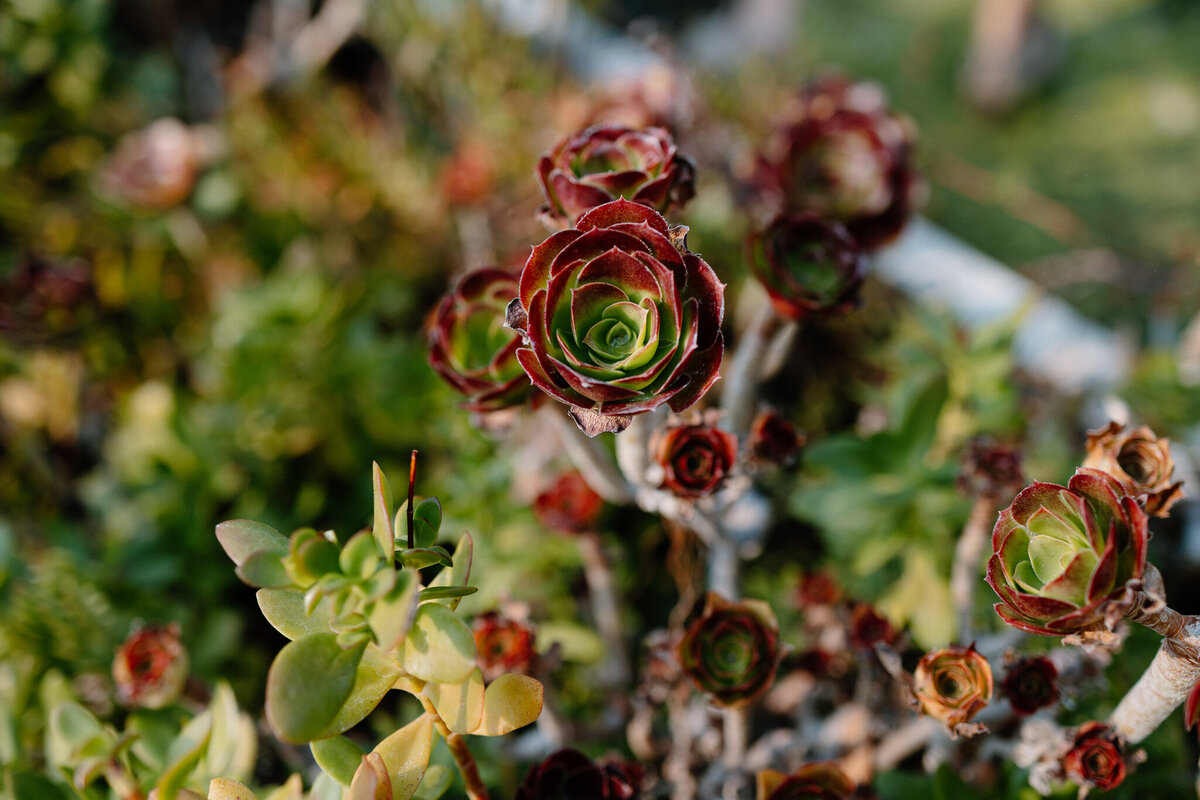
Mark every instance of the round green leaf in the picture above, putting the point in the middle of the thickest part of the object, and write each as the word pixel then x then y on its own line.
pixel 307 685
pixel 374 676
pixel 338 757
pixel 285 610
pixel 265 568
pixel 440 647
pixel 242 538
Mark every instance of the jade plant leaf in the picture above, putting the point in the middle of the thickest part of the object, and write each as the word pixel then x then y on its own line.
pixel 307 685
pixel 391 616
pixel 436 782
pixel 439 647
pixel 405 755
pixel 225 742
pixel 338 757
pixel 284 609
pixel 242 538
pixel 510 702
pixel 360 556
pixel 185 753
pixel 265 568
pixel 229 789
pixel 419 557
pixel 382 531
pixel 447 592
pixel 459 573
pixel 375 675
pixel 460 705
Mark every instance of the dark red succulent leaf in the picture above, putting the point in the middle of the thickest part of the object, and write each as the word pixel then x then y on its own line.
pixel 817 588
pixel 568 774
pixel 774 438
pixel 1096 759
pixel 868 627
pixel 502 645
pixel 42 299
pixel 731 651
pixel 1031 684
pixel 1191 709
pixel 696 459
pixel 819 781
pixel 610 161
pixel 808 265
pixel 618 317
pixel 570 505
pixel 991 468
pixel 151 667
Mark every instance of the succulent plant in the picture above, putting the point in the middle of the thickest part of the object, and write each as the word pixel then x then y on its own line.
pixel 619 317
pixel 1060 554
pixel 695 459
pixel 1140 461
pixel 1031 684
pixel 773 438
pixel 569 505
pixel 821 781
pixel 840 153
pixel 808 265
pixel 150 667
pixel 817 588
pixel 1096 759
pixel 470 347
pixel 731 651
pixel 501 645
pixel 990 469
pixel 953 684
pixel 568 774
pixel 607 161
pixel 868 627
pixel 154 168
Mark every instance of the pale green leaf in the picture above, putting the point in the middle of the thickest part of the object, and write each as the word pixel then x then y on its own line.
pixel 307 685
pixel 439 647
pixel 460 705
pixel 511 701
pixel 382 531
pixel 242 538
pixel 338 757
pixel 374 676
pixel 284 609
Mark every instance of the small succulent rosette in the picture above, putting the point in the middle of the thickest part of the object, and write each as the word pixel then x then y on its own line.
pixel 1096 758
pixel 774 439
pixel 1061 554
pixel 471 348
pixel 619 317
pixel 952 686
pixel 990 469
pixel 610 161
pixel 820 781
pixel 501 645
pixel 569 505
pixel 808 265
pixel 1140 461
pixel 568 774
pixel 867 627
pixel 696 460
pixel 1030 684
pixel 732 650
pixel 150 667
pixel 841 154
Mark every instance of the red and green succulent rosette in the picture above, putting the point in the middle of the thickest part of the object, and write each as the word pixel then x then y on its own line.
pixel 821 781
pixel 568 774
pixel 150 667
pixel 695 459
pixel 807 265
pixel 1061 553
pixel 471 348
pixel 1096 759
pixel 608 161
pixel 952 685
pixel 1031 684
pixel 1140 460
pixel 731 651
pixel 619 317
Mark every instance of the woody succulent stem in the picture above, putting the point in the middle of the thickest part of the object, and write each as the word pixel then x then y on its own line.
pixel 968 560
pixel 476 789
pixel 589 458
pixel 605 610
pixel 744 372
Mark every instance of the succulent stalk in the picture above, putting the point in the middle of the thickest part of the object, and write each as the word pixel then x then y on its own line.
pixel 968 555
pixel 743 374
pixel 463 759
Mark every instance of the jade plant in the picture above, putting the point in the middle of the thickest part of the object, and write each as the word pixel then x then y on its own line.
pixel 363 620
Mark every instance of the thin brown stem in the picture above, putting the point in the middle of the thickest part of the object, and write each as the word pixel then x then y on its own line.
pixel 596 467
pixel 965 572
pixel 476 789
pixel 605 609
pixel 412 481
pixel 743 372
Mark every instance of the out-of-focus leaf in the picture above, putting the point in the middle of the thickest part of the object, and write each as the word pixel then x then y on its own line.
pixel 242 538
pixel 229 789
pixel 307 685
pixel 382 530
pixel 186 752
pixel 225 743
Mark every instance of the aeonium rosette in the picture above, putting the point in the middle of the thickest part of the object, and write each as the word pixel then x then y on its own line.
pixel 608 161
pixel 472 349
pixel 696 459
pixel 807 265
pixel 1096 759
pixel 1031 684
pixel 953 684
pixel 1140 460
pixel 731 651
pixel 1061 553
pixel 619 317
pixel 820 781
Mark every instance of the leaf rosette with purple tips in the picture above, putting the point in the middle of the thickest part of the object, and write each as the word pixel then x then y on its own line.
pixel 732 651
pixel 1061 553
pixel 619 317
pixel 607 161
pixel 807 265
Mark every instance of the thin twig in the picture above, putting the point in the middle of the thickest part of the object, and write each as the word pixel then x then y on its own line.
pixel 965 572
pixel 596 467
pixel 606 611
pixel 739 395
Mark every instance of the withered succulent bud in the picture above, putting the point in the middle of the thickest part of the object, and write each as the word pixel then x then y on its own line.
pixel 570 775
pixel 1140 461
pixel 607 162
pixel 868 627
pixel 952 685
pixel 619 317
pixel 731 651
pixel 774 438
pixel 150 667
pixel 1030 684
pixel 821 781
pixel 808 265
pixel 841 154
pixel 1096 759
pixel 569 505
pixel 818 588
pixel 501 645
pixel 990 468
pixel 471 348
pixel 1060 554
pixel 154 168
pixel 696 459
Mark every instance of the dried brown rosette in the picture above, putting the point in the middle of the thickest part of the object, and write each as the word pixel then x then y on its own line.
pixel 1140 461
pixel 151 667
pixel 1031 684
pixel 1096 759
pixel 953 684
pixel 840 153
pixel 696 459
pixel 569 505
pixel 820 781
pixel 568 774
pixel 471 348
pixel 619 317
pixel 731 651
pixel 808 265
pixel 502 645
pixel 608 161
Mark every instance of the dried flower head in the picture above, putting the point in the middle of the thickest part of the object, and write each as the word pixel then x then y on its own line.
pixel 570 775
pixel 150 667
pixel 731 651
pixel 952 685
pixel 501 645
pixel 821 781
pixel 808 265
pixel 1060 554
pixel 569 505
pixel 1030 684
pixel 696 459
pixel 1140 461
pixel 1096 759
